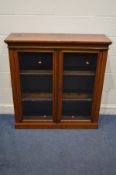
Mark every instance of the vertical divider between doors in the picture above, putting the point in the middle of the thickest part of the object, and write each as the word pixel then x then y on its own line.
pixel 60 84
pixel 55 85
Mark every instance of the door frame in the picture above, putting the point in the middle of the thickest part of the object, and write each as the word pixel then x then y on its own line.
pixel 97 77
pixel 16 85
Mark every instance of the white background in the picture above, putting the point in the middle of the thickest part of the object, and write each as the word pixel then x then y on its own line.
pixel 58 16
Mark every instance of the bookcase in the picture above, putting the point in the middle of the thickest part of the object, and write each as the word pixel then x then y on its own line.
pixel 57 79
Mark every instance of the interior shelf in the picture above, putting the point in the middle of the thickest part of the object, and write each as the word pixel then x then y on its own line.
pixel 37 118
pixel 77 96
pixel 36 96
pixel 76 117
pixel 66 96
pixel 36 72
pixel 78 73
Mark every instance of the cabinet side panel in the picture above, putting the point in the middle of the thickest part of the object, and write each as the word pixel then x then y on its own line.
pixel 14 69
pixel 102 58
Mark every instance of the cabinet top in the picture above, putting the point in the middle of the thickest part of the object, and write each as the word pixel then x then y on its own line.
pixel 57 38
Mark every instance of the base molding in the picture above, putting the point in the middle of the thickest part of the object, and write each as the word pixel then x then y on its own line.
pixel 108 109
pixel 51 125
pixel 6 109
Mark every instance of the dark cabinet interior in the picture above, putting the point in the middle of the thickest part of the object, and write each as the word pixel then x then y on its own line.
pixel 36 80
pixel 35 61
pixel 80 61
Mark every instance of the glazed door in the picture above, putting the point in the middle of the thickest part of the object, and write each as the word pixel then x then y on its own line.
pixel 38 84
pixel 76 84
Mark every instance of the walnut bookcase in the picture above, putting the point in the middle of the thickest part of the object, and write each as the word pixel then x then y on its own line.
pixel 57 79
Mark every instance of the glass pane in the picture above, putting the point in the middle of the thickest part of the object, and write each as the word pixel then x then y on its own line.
pixel 36 71
pixel 35 60
pixel 78 83
pixel 76 109
pixel 80 61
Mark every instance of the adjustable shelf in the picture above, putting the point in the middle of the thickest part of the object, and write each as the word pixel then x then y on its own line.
pixel 31 118
pixel 77 96
pixel 36 96
pixel 57 79
pixel 76 118
pixel 78 73
pixel 36 72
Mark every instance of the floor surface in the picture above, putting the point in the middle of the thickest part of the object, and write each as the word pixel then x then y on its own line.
pixel 58 152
